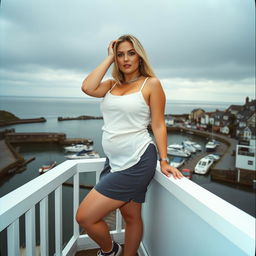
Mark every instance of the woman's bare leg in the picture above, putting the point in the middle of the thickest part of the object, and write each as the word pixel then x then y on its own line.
pixel 131 213
pixel 90 213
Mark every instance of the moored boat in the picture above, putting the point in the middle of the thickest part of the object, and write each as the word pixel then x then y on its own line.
pixel 177 150
pixel 47 166
pixel 79 147
pixel 187 173
pixel 211 145
pixel 83 155
pixel 193 144
pixel 203 165
pixel 177 162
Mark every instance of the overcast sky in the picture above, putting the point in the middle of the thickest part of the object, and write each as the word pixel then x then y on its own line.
pixel 199 49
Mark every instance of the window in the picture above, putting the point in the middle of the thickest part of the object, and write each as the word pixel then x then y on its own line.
pixel 250 162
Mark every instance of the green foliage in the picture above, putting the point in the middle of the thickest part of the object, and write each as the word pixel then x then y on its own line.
pixel 7 116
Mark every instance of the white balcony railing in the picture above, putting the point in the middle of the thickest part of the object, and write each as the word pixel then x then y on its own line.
pixel 180 217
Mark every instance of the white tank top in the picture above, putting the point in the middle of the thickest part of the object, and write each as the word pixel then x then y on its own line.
pixel 125 136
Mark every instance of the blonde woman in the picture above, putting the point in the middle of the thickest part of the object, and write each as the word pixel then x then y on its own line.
pixel 132 100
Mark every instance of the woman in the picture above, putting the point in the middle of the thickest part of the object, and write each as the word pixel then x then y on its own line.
pixel 130 101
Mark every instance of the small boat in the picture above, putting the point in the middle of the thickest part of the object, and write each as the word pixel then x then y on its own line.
pixel 189 147
pixel 47 166
pixel 187 173
pixel 211 145
pixel 84 154
pixel 192 143
pixel 177 162
pixel 79 147
pixel 215 156
pixel 177 150
pixel 203 166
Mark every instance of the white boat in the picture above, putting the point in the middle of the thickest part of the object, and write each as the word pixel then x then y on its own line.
pixel 177 150
pixel 211 145
pixel 176 146
pixel 83 155
pixel 189 147
pixel 177 162
pixel 47 166
pixel 79 147
pixel 215 157
pixel 203 166
pixel 194 144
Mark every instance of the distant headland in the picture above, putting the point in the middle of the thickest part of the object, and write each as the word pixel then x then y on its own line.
pixel 7 118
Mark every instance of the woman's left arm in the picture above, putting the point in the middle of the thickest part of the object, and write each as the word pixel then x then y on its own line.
pixel 157 106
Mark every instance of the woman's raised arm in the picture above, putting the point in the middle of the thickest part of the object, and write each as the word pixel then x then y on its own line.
pixel 92 84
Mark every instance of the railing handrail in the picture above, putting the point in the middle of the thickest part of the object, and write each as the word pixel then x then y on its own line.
pixel 17 202
pixel 230 221
pixel 223 216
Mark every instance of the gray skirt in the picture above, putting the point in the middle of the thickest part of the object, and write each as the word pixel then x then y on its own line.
pixel 131 183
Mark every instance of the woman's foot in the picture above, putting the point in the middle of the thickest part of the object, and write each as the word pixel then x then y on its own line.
pixel 116 251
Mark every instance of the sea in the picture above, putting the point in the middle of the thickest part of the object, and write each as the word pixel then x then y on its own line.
pixel 53 107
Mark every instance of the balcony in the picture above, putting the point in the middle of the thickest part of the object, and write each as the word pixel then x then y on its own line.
pixel 180 217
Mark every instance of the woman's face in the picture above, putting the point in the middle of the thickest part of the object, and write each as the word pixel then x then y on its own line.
pixel 127 58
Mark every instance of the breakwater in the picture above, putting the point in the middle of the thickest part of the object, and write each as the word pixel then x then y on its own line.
pixel 79 118
pixel 42 137
pixel 22 121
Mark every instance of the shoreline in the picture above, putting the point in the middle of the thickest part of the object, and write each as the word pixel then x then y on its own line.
pixel 22 121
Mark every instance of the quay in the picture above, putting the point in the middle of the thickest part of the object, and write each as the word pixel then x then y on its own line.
pixel 43 137
pixel 12 161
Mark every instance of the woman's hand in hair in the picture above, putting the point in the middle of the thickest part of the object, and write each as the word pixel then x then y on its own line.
pixel 111 49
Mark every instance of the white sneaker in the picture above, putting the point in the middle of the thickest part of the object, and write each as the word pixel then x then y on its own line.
pixel 116 251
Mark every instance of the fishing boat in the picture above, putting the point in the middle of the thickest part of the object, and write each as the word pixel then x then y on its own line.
pixel 203 166
pixel 177 162
pixel 215 156
pixel 193 144
pixel 79 147
pixel 177 150
pixel 84 154
pixel 189 147
pixel 47 166
pixel 211 145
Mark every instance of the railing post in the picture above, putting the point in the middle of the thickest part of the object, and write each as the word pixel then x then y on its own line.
pixel 30 232
pixel 13 238
pixel 118 221
pixel 75 203
pixel 44 241
pixel 58 221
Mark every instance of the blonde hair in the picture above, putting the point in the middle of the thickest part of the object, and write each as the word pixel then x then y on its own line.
pixel 144 67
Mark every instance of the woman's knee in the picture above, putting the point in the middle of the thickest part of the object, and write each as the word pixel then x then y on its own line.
pixel 83 218
pixel 131 218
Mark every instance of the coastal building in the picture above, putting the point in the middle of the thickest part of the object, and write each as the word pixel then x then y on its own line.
pixel 196 114
pixel 245 155
pixel 252 120
pixel 234 109
pixel 169 120
pixel 225 128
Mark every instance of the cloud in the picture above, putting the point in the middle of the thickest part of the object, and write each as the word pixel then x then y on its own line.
pixel 55 44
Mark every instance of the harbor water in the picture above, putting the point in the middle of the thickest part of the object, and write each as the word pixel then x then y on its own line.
pixel 52 108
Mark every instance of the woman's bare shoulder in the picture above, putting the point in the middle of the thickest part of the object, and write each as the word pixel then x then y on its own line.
pixel 154 83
